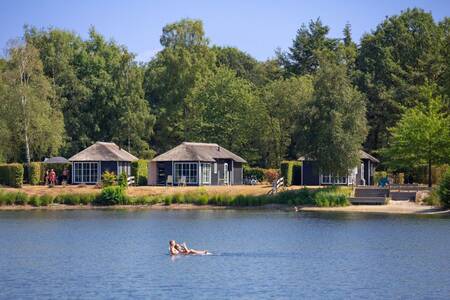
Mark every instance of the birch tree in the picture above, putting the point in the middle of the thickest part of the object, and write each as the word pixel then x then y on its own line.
pixel 33 117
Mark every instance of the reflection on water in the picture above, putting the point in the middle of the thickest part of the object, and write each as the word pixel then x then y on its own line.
pixel 256 254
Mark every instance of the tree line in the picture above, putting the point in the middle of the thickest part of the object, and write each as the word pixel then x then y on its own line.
pixel 323 97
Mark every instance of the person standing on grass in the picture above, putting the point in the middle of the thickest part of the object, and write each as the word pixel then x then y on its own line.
pixel 52 177
pixel 46 177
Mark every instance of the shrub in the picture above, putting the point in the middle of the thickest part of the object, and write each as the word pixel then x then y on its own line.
pixel 326 198
pixel 45 200
pixel 108 179
pixel 87 199
pixel 3 198
pixel 271 175
pixel 258 173
pixel 167 200
pixel 433 198
pixel 20 198
pixel 71 199
pixel 111 195
pixel 287 169
pixel 444 189
pixel 35 173
pixel 122 180
pixel 34 200
pixel 11 175
pixel 139 169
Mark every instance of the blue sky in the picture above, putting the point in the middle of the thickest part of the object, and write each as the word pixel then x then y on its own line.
pixel 257 27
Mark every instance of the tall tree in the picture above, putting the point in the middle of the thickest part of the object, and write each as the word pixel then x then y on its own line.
pixel 332 126
pixel 402 54
pixel 33 117
pixel 99 87
pixel 226 112
pixel 171 75
pixel 302 58
pixel 282 101
pixel 421 137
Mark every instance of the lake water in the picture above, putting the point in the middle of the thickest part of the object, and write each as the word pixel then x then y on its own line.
pixel 256 255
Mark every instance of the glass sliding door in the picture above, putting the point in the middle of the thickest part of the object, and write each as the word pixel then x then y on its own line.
pixel 188 171
pixel 85 172
pixel 205 173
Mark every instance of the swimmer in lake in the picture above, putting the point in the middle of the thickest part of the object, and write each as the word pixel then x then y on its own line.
pixel 176 249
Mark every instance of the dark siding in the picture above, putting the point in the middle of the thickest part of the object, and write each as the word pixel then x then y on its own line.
pixel 214 176
pixel 163 170
pixel 110 166
pixel 237 173
pixel 366 171
pixel 310 173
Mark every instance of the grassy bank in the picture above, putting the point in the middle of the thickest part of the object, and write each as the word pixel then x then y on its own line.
pixel 326 197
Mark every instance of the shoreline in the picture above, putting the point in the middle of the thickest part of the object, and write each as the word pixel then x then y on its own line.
pixel 401 208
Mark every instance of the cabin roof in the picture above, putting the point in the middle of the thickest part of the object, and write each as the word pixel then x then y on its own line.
pixel 101 151
pixel 205 152
pixel 362 155
pixel 56 160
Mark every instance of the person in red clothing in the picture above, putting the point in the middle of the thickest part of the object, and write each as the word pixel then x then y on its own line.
pixel 52 176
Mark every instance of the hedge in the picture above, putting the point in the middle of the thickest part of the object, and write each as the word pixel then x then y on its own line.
pixel 258 173
pixel 11 175
pixel 444 189
pixel 139 169
pixel 35 173
pixel 287 171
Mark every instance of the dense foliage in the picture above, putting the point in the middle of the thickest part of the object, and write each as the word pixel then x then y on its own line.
pixel 444 190
pixel 11 175
pixel 319 98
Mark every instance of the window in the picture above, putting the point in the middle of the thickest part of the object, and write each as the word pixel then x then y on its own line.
pixel 123 167
pixel 206 173
pixel 85 172
pixel 188 170
pixel 330 179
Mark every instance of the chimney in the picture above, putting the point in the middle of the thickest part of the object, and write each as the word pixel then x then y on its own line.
pixel 218 148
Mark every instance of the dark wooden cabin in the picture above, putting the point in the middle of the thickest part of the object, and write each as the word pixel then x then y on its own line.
pixel 196 164
pixel 89 164
pixel 360 175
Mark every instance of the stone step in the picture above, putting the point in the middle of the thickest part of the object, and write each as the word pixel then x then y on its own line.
pixel 371 192
pixel 405 196
pixel 368 200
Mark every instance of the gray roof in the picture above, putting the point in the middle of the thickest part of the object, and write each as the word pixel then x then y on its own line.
pixel 56 160
pixel 101 151
pixel 198 152
pixel 362 155
pixel 365 155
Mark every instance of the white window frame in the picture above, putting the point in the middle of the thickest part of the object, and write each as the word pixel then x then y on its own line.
pixel 205 173
pixel 189 177
pixel 123 166
pixel 88 172
pixel 330 179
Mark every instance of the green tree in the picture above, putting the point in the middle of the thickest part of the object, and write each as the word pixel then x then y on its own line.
pixel 99 87
pixel 302 58
pixel 171 75
pixel 402 54
pixel 421 137
pixel 226 112
pixel 332 126
pixel 34 119
pixel 282 101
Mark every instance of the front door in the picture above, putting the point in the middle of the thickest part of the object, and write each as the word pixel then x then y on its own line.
pixel 226 176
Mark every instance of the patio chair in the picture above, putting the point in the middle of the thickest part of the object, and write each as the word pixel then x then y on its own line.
pixel 169 180
pixel 182 181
